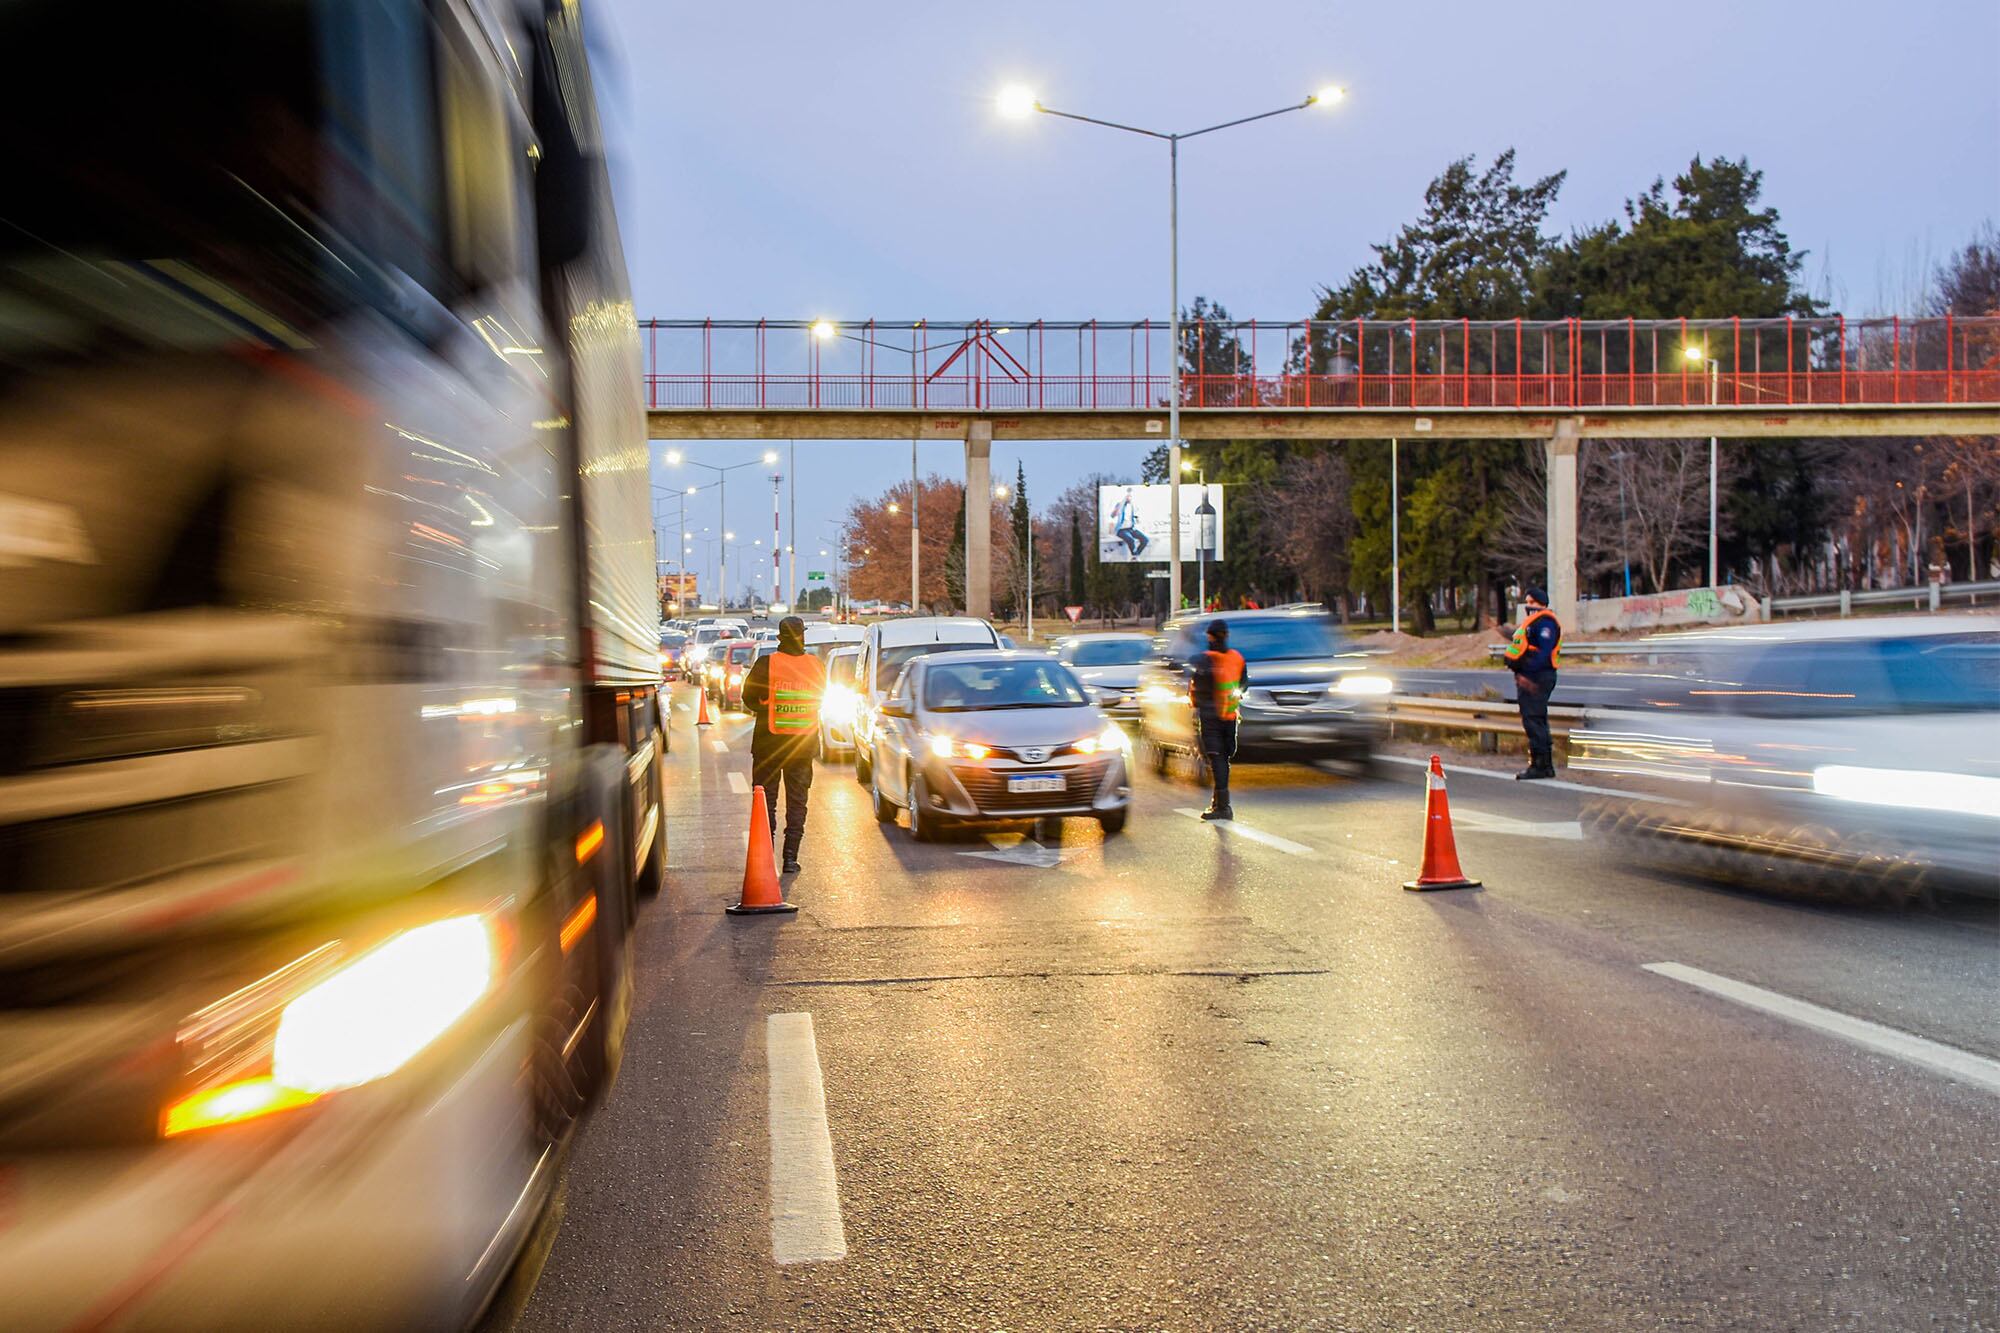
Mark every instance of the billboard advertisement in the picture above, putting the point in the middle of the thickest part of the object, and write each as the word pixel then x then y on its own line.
pixel 1132 522
pixel 676 592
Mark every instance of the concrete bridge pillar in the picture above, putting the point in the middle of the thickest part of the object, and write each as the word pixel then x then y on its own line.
pixel 1562 524
pixel 979 519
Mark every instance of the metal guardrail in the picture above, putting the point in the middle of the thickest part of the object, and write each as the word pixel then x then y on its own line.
pixel 1494 717
pixel 1919 597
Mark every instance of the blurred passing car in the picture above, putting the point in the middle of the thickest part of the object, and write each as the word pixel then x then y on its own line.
pixel 1309 696
pixel 837 709
pixel 1109 665
pixel 1857 757
pixel 968 737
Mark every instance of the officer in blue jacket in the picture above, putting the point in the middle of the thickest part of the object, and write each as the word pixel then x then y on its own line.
pixel 1533 657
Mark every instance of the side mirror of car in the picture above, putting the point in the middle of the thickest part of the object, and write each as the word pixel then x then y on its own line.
pixel 890 708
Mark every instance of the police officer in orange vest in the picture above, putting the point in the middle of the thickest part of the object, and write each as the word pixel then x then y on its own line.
pixel 1216 690
pixel 1533 656
pixel 783 692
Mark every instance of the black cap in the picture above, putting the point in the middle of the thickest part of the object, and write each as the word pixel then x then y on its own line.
pixel 1536 595
pixel 792 634
pixel 1218 631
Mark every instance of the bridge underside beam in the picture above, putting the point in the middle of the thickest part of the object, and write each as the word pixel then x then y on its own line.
pixel 1281 424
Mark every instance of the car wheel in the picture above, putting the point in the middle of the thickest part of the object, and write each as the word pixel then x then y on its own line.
pixel 885 809
pixel 1113 822
pixel 1160 755
pixel 864 766
pixel 924 826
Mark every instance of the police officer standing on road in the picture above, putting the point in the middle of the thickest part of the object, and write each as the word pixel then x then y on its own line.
pixel 783 692
pixel 1533 657
pixel 1216 690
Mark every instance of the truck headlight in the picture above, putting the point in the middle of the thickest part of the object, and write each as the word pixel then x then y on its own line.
pixel 380 1011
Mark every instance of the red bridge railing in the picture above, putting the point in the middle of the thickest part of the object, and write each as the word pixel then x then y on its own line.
pixel 987 365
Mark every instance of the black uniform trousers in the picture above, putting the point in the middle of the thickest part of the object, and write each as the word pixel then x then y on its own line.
pixel 1532 692
pixel 1218 744
pixel 766 770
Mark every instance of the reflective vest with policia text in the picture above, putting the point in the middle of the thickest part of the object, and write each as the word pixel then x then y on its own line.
pixel 798 683
pixel 1226 670
pixel 1519 649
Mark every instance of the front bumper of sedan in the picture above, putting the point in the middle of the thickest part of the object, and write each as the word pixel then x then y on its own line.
pixel 970 790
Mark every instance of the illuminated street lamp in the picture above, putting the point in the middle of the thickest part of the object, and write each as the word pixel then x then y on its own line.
pixel 1019 103
pixel 1696 354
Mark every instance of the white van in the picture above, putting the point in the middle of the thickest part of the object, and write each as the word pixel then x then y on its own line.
pixel 887 648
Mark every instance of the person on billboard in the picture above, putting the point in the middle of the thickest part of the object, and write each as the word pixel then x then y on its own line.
pixel 1125 525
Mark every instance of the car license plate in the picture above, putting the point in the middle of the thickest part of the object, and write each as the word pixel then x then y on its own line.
pixel 1034 784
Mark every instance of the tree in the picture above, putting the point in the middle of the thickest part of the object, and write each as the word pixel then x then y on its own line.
pixel 879 541
pixel 1076 572
pixel 954 561
pixel 1706 251
pixel 1020 526
pixel 1311 506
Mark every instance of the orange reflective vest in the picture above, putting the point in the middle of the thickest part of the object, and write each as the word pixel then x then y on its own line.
pixel 1226 670
pixel 1521 648
pixel 797 686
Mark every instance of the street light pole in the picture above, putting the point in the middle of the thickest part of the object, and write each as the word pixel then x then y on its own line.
pixel 1019 103
pixel 770 456
pixel 1395 544
pixel 1714 392
pixel 913 527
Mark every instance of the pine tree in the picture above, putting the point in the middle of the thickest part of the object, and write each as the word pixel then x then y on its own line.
pixel 1076 583
pixel 954 561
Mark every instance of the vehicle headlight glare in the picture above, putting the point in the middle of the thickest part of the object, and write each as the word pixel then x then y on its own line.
pixel 379 1012
pixel 1360 684
pixel 1910 788
pixel 941 746
pixel 838 707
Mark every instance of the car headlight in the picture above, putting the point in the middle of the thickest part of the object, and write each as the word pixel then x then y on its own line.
pixel 736 678
pixel 944 747
pixel 1159 694
pixel 1111 738
pixel 1360 684
pixel 360 1021
pixel 1910 788
pixel 839 705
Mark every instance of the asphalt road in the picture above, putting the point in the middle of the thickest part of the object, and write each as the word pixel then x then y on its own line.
pixel 1194 1078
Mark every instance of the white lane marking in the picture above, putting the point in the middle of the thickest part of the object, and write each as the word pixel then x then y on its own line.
pixel 1563 830
pixel 805 1197
pixel 1240 830
pixel 1964 1066
pixel 719 745
pixel 1560 783
pixel 738 783
pixel 1020 851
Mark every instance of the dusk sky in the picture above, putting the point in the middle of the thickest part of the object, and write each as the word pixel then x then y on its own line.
pixel 795 160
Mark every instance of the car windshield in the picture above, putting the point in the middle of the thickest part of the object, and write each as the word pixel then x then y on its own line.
pixel 1276 639
pixel 673 640
pixel 966 687
pixel 893 660
pixel 1110 652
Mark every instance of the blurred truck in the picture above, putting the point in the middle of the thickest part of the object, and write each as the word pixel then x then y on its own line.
pixel 330 732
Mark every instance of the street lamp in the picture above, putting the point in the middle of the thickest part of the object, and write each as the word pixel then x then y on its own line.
pixel 1019 103
pixel 675 456
pixel 681 497
pixel 1696 355
pixel 1204 519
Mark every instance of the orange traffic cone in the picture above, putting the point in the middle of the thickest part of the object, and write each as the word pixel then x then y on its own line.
pixel 701 718
pixel 1440 869
pixel 760 873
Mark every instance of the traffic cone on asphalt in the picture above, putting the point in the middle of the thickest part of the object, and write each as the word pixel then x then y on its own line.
pixel 760 875
pixel 701 718
pixel 1440 869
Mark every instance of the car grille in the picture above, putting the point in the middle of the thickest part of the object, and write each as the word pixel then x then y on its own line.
pixel 1296 698
pixel 988 787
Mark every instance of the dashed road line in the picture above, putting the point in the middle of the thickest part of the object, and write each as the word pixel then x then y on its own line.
pixel 719 745
pixel 1935 1056
pixel 805 1197
pixel 738 783
pixel 1236 829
